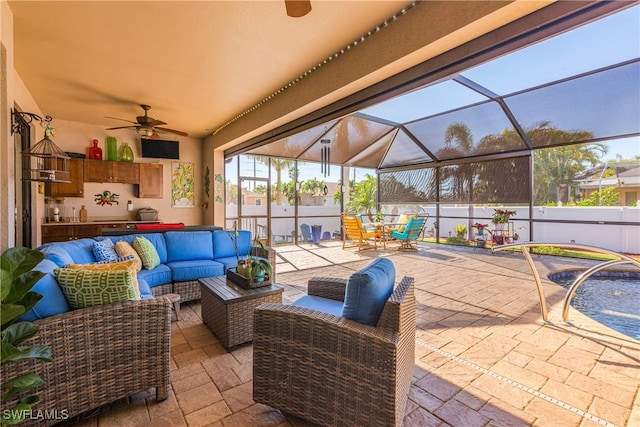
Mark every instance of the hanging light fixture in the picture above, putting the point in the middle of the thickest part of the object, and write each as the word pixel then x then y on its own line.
pixel 45 161
pixel 325 157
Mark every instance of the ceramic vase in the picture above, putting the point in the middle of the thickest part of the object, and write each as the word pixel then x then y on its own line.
pixel 126 153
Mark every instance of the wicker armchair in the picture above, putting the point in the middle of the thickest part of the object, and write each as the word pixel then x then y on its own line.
pixel 334 371
pixel 100 354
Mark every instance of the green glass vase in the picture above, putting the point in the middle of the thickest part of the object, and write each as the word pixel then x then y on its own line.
pixel 126 153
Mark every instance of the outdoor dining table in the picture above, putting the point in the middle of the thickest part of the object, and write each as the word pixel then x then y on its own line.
pixel 383 230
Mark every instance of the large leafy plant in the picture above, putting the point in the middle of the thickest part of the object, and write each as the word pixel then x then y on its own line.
pixel 16 280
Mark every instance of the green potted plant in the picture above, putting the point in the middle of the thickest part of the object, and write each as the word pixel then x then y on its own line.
pixel 17 279
pixel 461 230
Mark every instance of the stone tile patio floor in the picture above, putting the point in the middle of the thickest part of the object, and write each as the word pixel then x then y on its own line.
pixel 482 356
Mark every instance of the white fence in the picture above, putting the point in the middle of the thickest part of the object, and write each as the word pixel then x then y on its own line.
pixel 618 238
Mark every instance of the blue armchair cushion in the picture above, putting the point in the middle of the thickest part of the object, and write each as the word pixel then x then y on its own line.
pixel 182 271
pixel 223 243
pixel 53 300
pixel 104 250
pixel 325 305
pixel 161 275
pixel 188 245
pixel 368 290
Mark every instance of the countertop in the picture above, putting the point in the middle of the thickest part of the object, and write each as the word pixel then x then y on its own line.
pixel 101 222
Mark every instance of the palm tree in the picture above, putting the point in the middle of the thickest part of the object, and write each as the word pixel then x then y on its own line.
pixel 279 165
pixel 364 197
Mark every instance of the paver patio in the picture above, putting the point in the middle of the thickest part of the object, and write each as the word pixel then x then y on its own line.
pixel 482 356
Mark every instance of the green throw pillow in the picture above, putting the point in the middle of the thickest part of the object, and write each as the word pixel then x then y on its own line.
pixel 147 252
pixel 85 288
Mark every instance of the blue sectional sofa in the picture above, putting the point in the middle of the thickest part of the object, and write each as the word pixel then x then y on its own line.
pixel 106 352
pixel 185 257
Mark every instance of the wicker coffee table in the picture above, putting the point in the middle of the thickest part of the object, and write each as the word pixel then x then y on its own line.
pixel 227 309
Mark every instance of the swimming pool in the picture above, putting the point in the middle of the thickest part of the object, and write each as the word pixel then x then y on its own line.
pixel 609 297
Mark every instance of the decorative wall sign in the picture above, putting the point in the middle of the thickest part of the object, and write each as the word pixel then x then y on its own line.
pixel 219 188
pixel 207 182
pixel 182 188
pixel 107 198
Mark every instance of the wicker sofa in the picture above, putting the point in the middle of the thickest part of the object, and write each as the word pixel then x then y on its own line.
pixel 98 357
pixel 331 370
pixel 107 352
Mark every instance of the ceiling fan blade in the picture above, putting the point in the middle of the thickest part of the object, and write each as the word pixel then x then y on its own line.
pixel 124 120
pixel 177 132
pixel 123 127
pixel 297 8
pixel 155 122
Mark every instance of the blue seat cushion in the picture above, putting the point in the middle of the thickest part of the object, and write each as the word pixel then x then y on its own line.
pixel 145 290
pixel 53 300
pixel 223 243
pixel 161 275
pixel 368 290
pixel 188 245
pixel 156 239
pixel 182 271
pixel 325 305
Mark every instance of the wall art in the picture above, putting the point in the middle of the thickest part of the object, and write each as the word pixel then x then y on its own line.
pixel 182 186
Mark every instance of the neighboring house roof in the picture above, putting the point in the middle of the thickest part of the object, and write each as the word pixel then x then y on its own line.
pixel 624 179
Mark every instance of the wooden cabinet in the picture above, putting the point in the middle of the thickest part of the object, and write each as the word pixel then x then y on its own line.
pixel 61 233
pixel 73 189
pixel 150 185
pixel 105 171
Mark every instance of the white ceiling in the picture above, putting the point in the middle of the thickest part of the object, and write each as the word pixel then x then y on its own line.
pixel 197 63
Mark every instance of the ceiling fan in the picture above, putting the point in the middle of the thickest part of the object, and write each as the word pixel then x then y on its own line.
pixel 147 127
pixel 297 8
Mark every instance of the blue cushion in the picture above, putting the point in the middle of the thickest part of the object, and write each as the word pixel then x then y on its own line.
pixel 182 271
pixel 56 254
pixel 161 275
pixel 53 301
pixel 223 243
pixel 188 245
pixel 325 305
pixel 80 251
pixel 145 290
pixel 368 290
pixel 157 239
pixel 104 251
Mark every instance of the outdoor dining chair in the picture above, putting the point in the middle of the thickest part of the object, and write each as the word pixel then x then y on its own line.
pixel 354 231
pixel 411 233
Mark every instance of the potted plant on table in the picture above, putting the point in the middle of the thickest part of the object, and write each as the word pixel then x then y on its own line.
pixel 250 272
pixel 480 240
pixel 501 217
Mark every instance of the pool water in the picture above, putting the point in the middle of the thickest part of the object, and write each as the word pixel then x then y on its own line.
pixel 609 297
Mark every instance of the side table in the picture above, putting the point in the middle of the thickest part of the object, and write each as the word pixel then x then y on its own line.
pixel 227 309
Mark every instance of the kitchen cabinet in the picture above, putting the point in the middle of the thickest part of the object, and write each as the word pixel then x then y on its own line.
pixel 61 233
pixel 106 171
pixel 73 189
pixel 151 181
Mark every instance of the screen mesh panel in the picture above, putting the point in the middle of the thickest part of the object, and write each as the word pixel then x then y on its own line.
pixel 411 186
pixel 495 181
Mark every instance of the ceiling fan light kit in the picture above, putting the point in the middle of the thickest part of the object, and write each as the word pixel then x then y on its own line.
pixel 146 126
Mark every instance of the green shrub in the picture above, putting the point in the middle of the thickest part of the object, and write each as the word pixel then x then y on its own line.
pixel 16 280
